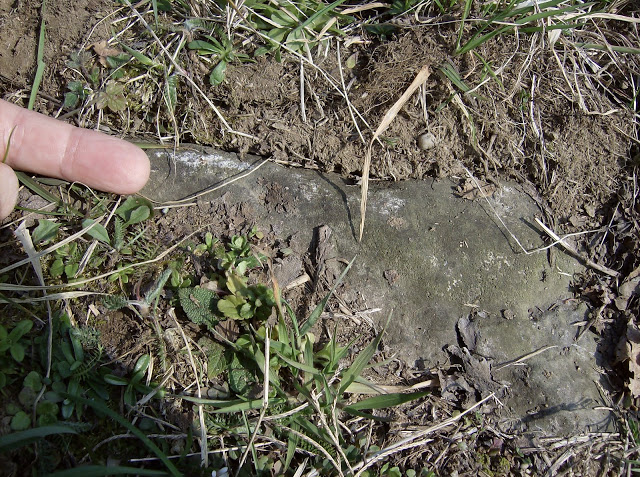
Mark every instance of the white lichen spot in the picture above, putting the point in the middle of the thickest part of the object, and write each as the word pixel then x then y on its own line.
pixel 496 260
pixel 309 190
pixel 193 159
pixel 452 284
pixel 386 204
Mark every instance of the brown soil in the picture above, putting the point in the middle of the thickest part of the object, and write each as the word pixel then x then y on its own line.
pixel 572 141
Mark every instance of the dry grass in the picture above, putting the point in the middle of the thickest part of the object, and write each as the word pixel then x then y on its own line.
pixel 593 70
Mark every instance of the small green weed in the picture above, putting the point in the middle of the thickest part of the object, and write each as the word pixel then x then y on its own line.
pixel 297 25
pixel 507 18
pixel 306 379
pixel 12 342
pixel 223 52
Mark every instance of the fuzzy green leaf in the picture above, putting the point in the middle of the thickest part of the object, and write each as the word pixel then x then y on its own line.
pixel 216 360
pixel 20 421
pixel 142 364
pixel 33 381
pixel 21 329
pixel 199 305
pixel 45 231
pixel 240 378
pixel 138 215
pixel 57 268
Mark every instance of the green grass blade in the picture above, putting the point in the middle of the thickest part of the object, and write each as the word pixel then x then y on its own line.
pixel 367 415
pixel 551 13
pixel 294 321
pixel 479 39
pixel 141 57
pixel 292 443
pixel 361 361
pixel 234 405
pixel 301 366
pixel 385 400
pixel 563 26
pixel 16 440
pixel 36 188
pixel 313 431
pixel 154 6
pixel 465 15
pixel 101 407
pixel 319 13
pixel 489 70
pixel 315 314
pixel 40 61
pixel 452 75
pixel 171 92
pixel 6 151
pixel 102 470
pixel 618 49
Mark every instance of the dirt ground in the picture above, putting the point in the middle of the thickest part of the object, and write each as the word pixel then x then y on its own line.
pixel 569 137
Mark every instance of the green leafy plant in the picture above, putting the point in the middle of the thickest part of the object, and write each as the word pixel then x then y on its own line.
pixel 112 97
pixel 77 93
pixel 298 368
pixel 524 18
pixel 66 261
pixel 245 301
pixel 45 232
pixel 234 298
pixel 296 25
pixel 222 51
pixel 12 342
pixel 133 384
pixel 200 305
pixel 74 369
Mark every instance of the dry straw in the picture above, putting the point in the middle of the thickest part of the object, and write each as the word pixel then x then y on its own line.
pixel 420 78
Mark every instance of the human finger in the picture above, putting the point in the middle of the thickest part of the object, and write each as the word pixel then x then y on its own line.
pixel 8 190
pixel 46 146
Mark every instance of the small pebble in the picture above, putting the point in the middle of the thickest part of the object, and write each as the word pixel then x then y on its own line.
pixel 426 141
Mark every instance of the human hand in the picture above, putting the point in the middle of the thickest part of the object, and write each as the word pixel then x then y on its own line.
pixel 43 145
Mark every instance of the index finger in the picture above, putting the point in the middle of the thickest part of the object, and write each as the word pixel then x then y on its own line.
pixel 46 146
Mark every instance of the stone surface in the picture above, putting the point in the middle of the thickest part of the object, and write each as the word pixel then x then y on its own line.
pixel 432 258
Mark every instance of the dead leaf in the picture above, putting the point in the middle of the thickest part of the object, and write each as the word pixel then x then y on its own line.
pixel 103 50
pixel 468 332
pixel 391 276
pixel 229 329
pixel 477 372
pixel 469 189
pixel 628 288
pixel 632 353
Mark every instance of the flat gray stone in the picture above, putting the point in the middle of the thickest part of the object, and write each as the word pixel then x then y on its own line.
pixel 432 258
